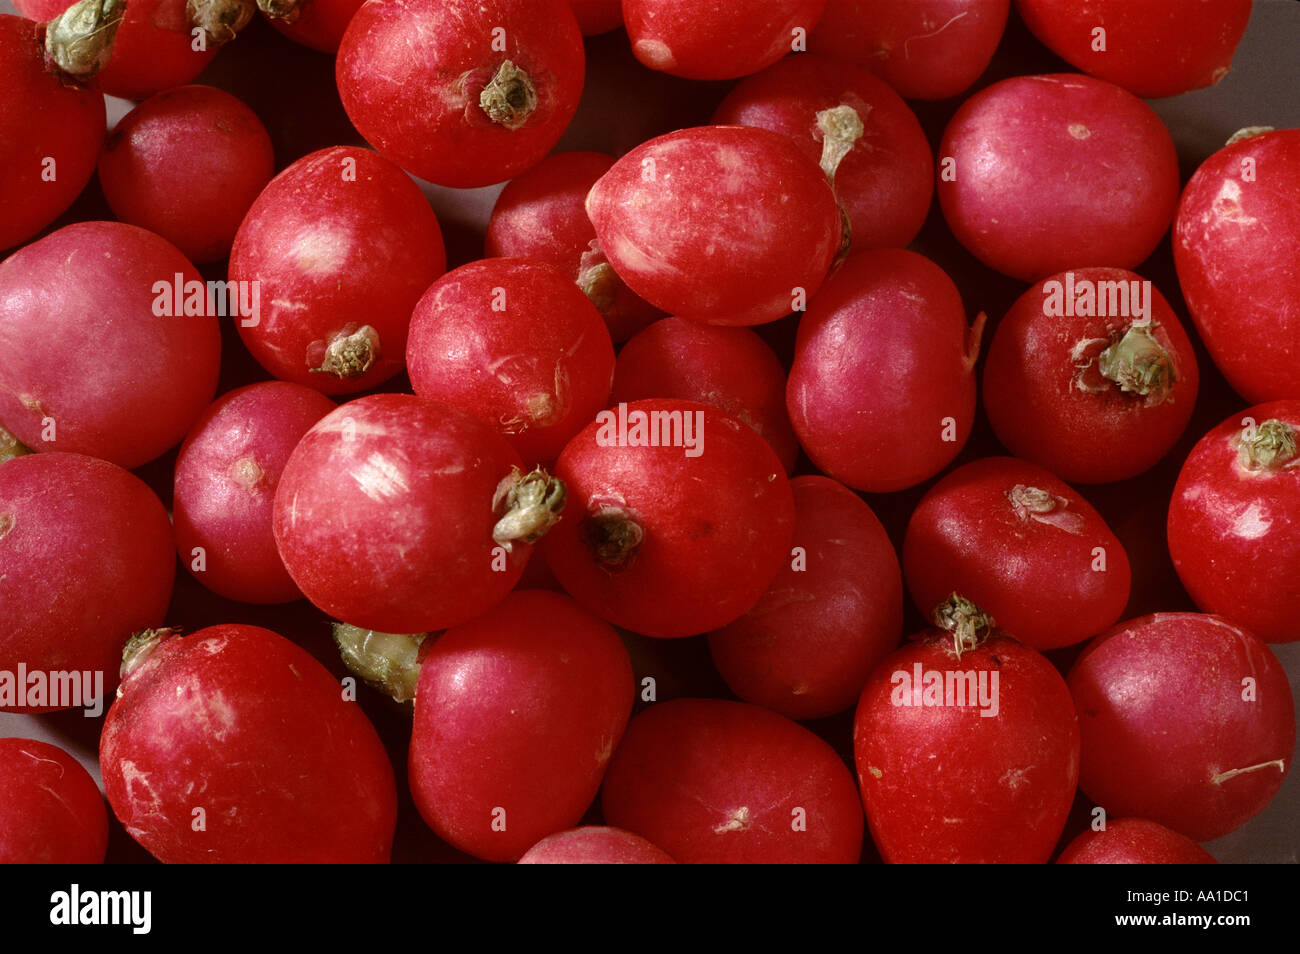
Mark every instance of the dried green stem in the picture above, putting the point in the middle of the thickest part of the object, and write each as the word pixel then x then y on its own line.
pixel 841 128
pixel 1031 499
pixel 600 283
pixel 509 98
pixel 351 355
pixel 1139 365
pixel 80 39
pixel 388 661
pixel 286 10
pixel 1221 777
pixel 220 19
pixel 11 447
pixel 1271 446
pixel 140 645
pixel 1246 132
pixel 969 625
pixel 529 505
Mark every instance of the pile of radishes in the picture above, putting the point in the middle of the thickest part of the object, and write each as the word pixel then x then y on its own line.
pixel 630 512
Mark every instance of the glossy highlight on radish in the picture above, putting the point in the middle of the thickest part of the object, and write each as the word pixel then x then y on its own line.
pixel 405 515
pixel 722 224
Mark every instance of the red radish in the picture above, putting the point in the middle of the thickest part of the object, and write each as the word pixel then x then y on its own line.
pixel 714 782
pixel 882 390
pixel 1234 520
pixel 406 516
pixel 1091 375
pixel 867 139
pixel 470 92
pixel 226 475
pixel 925 49
pixel 51 125
pixel 725 224
pixel 88 560
pixel 1150 49
pixel 1038 174
pixel 1236 241
pixel 1134 841
pixel 679 517
pixel 102 352
pixel 717 41
pixel 729 368
pixel 52 811
pixel 232 745
pixel 516 715
pixel 515 345
pixel 1022 545
pixel 541 215
pixel 319 24
pixel 342 244
pixel 833 611
pixel 1187 720
pixel 156 43
pixel 595 845
pixel 187 164
pixel 597 16
pixel 967 747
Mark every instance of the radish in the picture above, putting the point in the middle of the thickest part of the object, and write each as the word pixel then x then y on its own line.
pixel 882 390
pixel 1236 239
pixel 716 41
pixel 1151 49
pixel 1091 375
pixel 405 515
pixel 1038 174
pixel 1187 720
pixel 723 224
pixel 714 782
pixel 51 124
pixel 341 245
pixel 1024 546
pixel 52 812
pixel 187 164
pixel 1134 841
pixel 226 475
pixel 849 120
pixel 101 354
pixel 925 49
pixel 86 559
pixel 967 747
pixel 515 345
pixel 463 93
pixel 232 745
pixel 595 845
pixel 516 715
pixel 680 515
pixel 832 612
